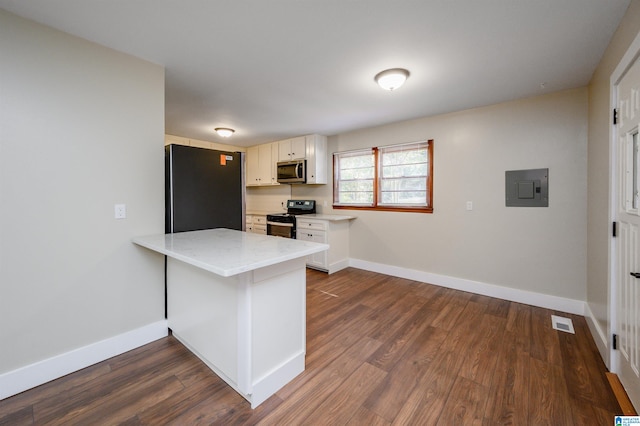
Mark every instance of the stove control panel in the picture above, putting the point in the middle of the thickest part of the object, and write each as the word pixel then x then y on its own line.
pixel 301 206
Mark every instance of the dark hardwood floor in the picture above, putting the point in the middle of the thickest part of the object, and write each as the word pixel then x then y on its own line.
pixel 380 351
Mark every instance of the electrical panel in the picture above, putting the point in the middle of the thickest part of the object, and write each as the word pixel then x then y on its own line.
pixel 527 188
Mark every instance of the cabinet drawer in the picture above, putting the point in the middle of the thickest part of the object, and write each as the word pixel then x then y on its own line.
pixel 260 220
pixel 260 229
pixel 302 223
pixel 311 235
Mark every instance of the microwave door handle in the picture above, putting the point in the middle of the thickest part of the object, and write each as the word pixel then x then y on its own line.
pixel 299 170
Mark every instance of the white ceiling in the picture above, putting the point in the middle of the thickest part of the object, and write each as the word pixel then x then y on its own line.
pixel 273 69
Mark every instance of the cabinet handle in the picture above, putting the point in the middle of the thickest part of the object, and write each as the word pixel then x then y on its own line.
pixel 635 274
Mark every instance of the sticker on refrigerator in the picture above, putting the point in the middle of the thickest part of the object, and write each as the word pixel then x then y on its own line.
pixel 224 158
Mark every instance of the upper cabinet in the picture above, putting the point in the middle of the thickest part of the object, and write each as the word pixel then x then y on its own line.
pixel 261 160
pixel 292 149
pixel 316 155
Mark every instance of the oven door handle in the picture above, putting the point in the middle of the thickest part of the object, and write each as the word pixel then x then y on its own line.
pixel 288 225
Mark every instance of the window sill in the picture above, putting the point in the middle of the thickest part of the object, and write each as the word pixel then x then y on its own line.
pixel 386 209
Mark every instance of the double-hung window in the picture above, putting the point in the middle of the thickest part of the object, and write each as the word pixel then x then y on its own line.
pixel 396 177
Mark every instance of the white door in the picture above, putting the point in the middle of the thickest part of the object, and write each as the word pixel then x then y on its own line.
pixel 628 241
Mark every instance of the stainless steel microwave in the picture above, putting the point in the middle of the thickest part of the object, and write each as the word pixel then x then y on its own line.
pixel 292 171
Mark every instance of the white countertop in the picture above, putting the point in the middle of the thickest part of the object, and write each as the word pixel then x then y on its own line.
pixel 228 252
pixel 259 212
pixel 330 217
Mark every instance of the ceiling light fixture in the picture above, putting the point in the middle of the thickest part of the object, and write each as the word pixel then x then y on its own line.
pixel 391 79
pixel 225 132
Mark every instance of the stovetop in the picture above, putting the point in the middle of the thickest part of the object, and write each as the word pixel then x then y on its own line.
pixel 280 215
pixel 297 207
pixel 294 208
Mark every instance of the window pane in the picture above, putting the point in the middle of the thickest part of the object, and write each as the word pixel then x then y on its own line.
pixel 404 184
pixel 355 174
pixel 403 175
pixel 404 157
pixel 356 162
pixel 406 198
pixel 349 174
pixel 356 185
pixel 356 198
pixel 405 170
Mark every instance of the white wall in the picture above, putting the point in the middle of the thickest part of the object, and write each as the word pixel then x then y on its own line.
pixel 542 250
pixel 268 199
pixel 81 129
pixel 599 223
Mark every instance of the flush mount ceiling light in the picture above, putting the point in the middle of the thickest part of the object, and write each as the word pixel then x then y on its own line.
pixel 225 132
pixel 391 79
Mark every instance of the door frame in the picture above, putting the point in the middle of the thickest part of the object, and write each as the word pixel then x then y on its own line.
pixel 628 59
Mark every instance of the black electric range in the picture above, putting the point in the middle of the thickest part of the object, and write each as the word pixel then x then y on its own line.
pixel 284 224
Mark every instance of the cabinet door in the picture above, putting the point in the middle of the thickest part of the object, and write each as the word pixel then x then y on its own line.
pixel 253 165
pixel 316 154
pixel 292 149
pixel 316 260
pixel 261 164
pixel 298 148
pixel 275 147
pixel 284 150
pixel 264 170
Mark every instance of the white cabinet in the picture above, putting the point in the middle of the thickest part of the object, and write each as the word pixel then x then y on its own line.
pixel 256 224
pixel 259 225
pixel 261 165
pixel 314 230
pixel 292 149
pixel 316 155
pixel 334 233
pixel 261 160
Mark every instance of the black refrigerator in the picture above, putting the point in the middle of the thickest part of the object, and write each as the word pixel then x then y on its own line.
pixel 204 189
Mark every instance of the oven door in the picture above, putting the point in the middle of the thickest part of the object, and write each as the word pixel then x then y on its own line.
pixel 280 229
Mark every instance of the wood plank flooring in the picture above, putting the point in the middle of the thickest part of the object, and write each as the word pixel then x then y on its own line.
pixel 380 351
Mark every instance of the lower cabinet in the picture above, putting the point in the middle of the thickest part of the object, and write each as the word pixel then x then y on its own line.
pixel 256 224
pixel 334 233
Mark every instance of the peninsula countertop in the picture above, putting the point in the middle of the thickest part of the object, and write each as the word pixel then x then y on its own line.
pixel 320 216
pixel 228 252
pixel 329 217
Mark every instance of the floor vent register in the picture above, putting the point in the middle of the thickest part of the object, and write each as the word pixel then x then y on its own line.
pixel 562 324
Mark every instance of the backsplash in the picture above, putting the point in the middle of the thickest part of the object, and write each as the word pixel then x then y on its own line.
pixel 268 199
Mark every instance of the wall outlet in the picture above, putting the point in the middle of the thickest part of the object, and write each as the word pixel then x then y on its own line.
pixel 120 211
pixel 469 205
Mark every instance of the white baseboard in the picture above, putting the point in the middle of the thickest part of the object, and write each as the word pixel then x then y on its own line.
pixel 30 376
pixel 338 266
pixel 547 301
pixel 268 385
pixel 599 335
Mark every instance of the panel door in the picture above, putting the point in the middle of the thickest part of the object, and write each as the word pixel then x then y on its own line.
pixel 627 248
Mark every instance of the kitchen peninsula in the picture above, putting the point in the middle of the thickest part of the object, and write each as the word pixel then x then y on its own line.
pixel 238 301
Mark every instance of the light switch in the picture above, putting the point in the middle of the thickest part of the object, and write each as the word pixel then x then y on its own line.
pixel 120 211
